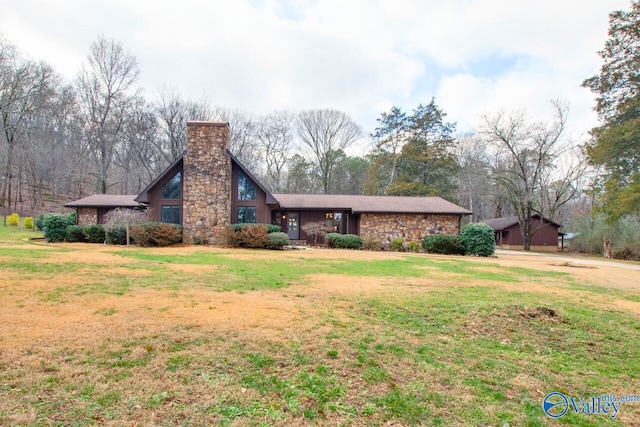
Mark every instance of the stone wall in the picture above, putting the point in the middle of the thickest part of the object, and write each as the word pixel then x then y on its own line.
pixel 409 227
pixel 207 182
pixel 87 216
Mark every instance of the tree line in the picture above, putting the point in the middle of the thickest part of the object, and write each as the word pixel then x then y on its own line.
pixel 100 134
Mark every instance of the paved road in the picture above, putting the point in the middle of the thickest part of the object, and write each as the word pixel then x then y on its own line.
pixel 575 260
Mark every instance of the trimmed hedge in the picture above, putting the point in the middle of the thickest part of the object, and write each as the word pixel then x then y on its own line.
pixel 75 233
pixel 28 222
pixel 478 239
pixel 271 228
pixel 330 239
pixel 445 244
pixel 94 233
pixel 55 226
pixel 116 236
pixel 348 241
pixel 156 234
pixel 277 240
pixel 13 219
pixel 256 236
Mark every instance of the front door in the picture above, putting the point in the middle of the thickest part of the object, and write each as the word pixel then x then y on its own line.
pixel 293 226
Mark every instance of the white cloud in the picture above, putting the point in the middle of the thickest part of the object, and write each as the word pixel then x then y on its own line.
pixel 359 56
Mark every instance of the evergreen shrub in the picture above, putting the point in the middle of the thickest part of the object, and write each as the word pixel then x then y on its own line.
pixel 445 244
pixel 277 240
pixel 477 239
pixel 116 235
pixel 13 219
pixel 28 222
pixel 75 233
pixel 94 233
pixel 348 241
pixel 55 226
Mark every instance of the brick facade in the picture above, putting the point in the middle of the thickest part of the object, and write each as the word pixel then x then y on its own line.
pixel 87 216
pixel 207 182
pixel 409 227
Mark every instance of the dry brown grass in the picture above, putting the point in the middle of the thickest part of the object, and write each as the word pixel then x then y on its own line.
pixel 185 355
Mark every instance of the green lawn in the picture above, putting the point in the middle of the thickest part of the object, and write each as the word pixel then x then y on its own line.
pixel 210 336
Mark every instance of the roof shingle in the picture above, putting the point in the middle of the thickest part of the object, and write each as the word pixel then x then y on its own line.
pixel 370 204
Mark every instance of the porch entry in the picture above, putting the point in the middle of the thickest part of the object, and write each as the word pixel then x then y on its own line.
pixel 290 223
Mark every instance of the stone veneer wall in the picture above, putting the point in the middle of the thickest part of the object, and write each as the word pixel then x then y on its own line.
pixel 409 227
pixel 206 198
pixel 87 216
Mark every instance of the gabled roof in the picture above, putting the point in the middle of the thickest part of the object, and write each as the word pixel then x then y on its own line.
pixel 105 201
pixel 143 197
pixel 502 223
pixel 370 204
pixel 270 199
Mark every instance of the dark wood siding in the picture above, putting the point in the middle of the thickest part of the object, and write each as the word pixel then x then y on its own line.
pixel 154 194
pixel 547 235
pixel 263 213
pixel 351 222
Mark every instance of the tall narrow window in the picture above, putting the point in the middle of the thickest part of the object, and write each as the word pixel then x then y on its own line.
pixel 172 188
pixel 246 188
pixel 246 214
pixel 334 221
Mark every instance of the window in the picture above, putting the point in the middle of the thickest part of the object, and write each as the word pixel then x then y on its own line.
pixel 246 214
pixel 334 222
pixel 172 190
pixel 171 214
pixel 246 189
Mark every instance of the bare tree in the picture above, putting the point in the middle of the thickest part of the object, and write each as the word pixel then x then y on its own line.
pixel 529 155
pixel 316 229
pixel 173 112
pixel 275 133
pixel 242 130
pixel 125 218
pixel 25 89
pixel 326 133
pixel 473 187
pixel 106 93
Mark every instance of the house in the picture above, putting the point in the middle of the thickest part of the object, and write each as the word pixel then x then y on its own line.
pixel 207 188
pixel 92 209
pixel 508 234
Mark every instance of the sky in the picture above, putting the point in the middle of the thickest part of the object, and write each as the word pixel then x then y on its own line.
pixel 476 57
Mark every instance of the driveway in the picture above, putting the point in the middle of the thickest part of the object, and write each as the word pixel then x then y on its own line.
pixel 573 259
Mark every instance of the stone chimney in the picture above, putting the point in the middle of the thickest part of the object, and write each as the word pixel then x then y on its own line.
pixel 206 198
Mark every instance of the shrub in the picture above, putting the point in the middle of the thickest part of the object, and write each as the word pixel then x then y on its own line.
pixel 477 239
pixel 116 235
pixel 348 241
pixel 330 239
pixel 277 240
pixel 414 247
pixel 254 236
pixel 13 219
pixel 94 233
pixel 40 222
pixel 627 252
pixel 371 244
pixel 156 234
pixel 397 245
pixel 446 244
pixel 28 222
pixel 55 226
pixel 75 233
pixel 271 228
